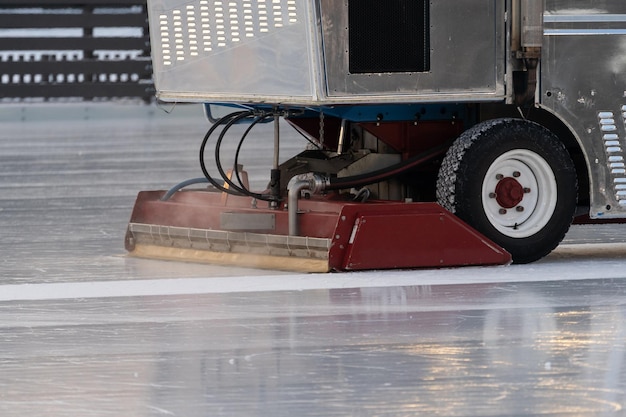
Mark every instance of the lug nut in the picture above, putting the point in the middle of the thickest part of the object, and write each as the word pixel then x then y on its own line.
pixel 499 176
pixel 492 195
pixel 502 211
pixel 519 208
pixel 516 174
pixel 526 190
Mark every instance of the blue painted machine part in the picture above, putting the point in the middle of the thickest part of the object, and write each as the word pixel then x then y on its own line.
pixel 357 113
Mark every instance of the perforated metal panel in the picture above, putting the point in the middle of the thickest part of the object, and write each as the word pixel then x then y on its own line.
pixel 232 50
pixel 196 30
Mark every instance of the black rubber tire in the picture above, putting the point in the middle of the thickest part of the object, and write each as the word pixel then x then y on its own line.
pixel 496 144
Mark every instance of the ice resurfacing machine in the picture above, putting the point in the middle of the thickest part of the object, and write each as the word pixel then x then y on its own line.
pixel 445 132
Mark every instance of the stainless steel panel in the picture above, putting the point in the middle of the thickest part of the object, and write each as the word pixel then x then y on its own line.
pixel 583 82
pixel 467 56
pixel 271 51
pixel 239 50
pixel 574 7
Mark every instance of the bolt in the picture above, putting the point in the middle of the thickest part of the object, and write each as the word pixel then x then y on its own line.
pixel 502 211
pixel 526 190
pixel 492 195
pixel 519 208
pixel 499 176
pixel 516 174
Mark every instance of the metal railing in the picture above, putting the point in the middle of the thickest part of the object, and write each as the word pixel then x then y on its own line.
pixel 74 50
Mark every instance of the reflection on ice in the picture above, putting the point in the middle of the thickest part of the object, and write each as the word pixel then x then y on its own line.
pixel 85 331
pixel 481 349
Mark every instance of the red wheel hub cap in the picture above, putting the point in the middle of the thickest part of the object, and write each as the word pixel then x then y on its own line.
pixel 509 192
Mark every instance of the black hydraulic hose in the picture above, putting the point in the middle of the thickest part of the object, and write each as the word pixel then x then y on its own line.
pixel 236 163
pixel 218 144
pixel 192 181
pixel 218 123
pixel 384 173
pixel 174 189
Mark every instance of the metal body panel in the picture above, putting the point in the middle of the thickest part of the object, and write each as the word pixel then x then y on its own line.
pixel 294 52
pixel 583 82
pixel 456 28
pixel 209 50
pixel 413 235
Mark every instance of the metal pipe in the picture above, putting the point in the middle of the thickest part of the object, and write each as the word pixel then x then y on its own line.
pixel 342 137
pixel 275 171
pixel 276 139
pixel 174 189
pixel 528 96
pixel 532 24
pixel 315 184
pixel 516 26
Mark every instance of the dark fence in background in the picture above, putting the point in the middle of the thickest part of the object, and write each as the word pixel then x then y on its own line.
pixel 74 50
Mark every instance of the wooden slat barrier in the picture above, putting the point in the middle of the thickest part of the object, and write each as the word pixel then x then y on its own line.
pixel 69 49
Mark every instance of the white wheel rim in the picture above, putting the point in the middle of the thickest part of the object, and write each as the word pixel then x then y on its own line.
pixel 519 169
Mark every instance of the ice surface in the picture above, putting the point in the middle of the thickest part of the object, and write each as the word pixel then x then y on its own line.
pixel 86 331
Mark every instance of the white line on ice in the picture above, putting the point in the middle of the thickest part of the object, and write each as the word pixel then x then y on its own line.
pixel 566 265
